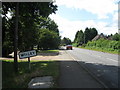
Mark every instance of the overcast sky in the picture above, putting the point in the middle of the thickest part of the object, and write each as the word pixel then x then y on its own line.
pixel 74 15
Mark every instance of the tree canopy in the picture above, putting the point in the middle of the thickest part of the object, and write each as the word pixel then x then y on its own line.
pixel 66 41
pixel 48 39
pixel 79 37
pixel 89 34
pixel 33 17
pixel 116 37
pixel 83 37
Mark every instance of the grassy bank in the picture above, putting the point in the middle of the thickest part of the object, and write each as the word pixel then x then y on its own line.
pixel 104 45
pixel 48 51
pixel 101 50
pixel 23 77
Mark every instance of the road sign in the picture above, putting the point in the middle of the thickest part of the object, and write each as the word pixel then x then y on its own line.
pixel 27 54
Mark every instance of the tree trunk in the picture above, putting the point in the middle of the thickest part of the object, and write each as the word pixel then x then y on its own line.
pixel 16 39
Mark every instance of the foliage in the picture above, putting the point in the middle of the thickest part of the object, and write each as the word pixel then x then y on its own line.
pixel 79 37
pixel 7 37
pixel 32 17
pixel 108 45
pixel 116 37
pixel 83 37
pixel 48 39
pixel 66 41
pixel 48 51
pixel 74 44
pixel 89 34
pixel 76 36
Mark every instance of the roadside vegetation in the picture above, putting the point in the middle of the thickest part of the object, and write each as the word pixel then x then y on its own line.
pixel 35 27
pixel 35 30
pixel 20 80
pixel 66 41
pixel 48 51
pixel 103 45
pixel 90 39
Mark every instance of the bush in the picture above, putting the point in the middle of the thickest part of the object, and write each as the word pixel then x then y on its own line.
pixel 103 44
pixel 83 45
pixel 75 44
pixel 48 39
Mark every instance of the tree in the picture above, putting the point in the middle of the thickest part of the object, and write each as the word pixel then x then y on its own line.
pixel 76 36
pixel 48 39
pixel 30 22
pixel 80 37
pixel 93 33
pixel 66 41
pixel 116 37
pixel 89 34
pixel 28 30
pixel 51 25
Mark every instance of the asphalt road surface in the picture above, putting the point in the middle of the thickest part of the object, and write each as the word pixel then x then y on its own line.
pixel 103 65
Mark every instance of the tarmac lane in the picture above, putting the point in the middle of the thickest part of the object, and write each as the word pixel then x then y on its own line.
pixel 72 75
pixel 103 66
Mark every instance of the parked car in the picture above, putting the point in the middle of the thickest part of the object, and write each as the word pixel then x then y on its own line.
pixel 69 47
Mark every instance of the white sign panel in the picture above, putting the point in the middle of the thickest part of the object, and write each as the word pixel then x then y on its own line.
pixel 27 54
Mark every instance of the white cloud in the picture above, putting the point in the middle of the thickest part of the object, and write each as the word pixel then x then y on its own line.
pixel 99 7
pixel 69 28
pixel 115 16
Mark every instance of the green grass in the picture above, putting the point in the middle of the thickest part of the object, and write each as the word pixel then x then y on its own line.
pixel 48 51
pixel 101 50
pixel 23 77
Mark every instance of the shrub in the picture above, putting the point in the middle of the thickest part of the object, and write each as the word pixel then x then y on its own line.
pixel 103 44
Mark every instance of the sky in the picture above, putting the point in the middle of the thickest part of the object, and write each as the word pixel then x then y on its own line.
pixel 74 15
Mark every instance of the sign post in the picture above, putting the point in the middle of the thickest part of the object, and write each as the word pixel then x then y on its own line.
pixel 28 54
pixel 29 63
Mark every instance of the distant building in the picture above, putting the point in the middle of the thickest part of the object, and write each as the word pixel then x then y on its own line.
pixel 110 38
pixel 99 36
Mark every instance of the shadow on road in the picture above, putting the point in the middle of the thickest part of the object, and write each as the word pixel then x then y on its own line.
pixel 108 74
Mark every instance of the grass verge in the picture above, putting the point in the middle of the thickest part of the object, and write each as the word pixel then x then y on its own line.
pixel 48 51
pixel 101 50
pixel 23 77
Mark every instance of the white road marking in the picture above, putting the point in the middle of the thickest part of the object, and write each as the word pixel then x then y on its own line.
pixel 112 60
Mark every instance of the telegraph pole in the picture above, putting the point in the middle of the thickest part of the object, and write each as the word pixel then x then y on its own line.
pixel 16 38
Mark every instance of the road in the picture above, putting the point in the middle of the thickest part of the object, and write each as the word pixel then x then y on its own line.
pixel 104 66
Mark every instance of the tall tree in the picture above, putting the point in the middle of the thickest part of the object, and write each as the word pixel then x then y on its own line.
pixel 76 36
pixel 116 37
pixel 28 30
pixel 86 35
pixel 48 39
pixel 80 37
pixel 93 33
pixel 66 41
pixel 30 23
pixel 89 34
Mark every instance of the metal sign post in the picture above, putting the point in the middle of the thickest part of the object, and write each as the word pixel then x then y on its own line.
pixel 29 63
pixel 28 54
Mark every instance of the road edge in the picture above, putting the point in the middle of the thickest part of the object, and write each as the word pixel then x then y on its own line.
pixel 91 74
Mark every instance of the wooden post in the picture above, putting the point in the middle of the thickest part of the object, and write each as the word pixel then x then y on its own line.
pixel 16 39
pixel 29 63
